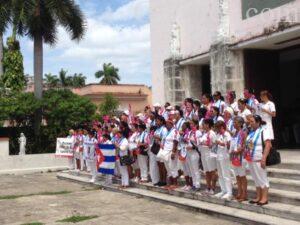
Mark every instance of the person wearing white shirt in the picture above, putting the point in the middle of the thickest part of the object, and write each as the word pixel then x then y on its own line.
pixel 133 140
pixel 230 100
pixel 208 155
pixel 89 145
pixel 243 110
pixel 251 101
pixel 219 102
pixel 216 115
pixel 267 111
pixel 170 152
pixel 122 145
pixel 228 118
pixel 143 147
pixel 157 169
pixel 193 154
pixel 258 145
pixel 223 163
pixel 237 150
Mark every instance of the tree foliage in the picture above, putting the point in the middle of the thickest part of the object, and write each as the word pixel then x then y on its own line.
pixel 63 110
pixel 109 75
pixel 13 77
pixel 109 105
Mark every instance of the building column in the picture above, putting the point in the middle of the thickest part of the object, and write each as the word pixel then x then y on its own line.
pixel 227 69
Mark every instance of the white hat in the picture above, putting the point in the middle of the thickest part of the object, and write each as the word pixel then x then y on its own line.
pixel 169 108
pixel 126 112
pixel 229 110
pixel 156 105
pixel 172 112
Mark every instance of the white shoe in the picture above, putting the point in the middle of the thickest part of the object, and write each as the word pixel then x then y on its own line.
pixel 188 188
pixel 92 180
pixel 211 192
pixel 227 197
pixel 219 195
pixel 184 187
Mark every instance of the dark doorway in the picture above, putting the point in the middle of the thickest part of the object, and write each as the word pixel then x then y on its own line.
pixel 206 77
pixel 279 72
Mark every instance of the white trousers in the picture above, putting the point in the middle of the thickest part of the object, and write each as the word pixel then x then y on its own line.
pixel 223 167
pixel 143 165
pixel 193 164
pixel 240 171
pixel 185 167
pixel 92 164
pixel 124 175
pixel 259 175
pixel 71 163
pixel 153 167
pixel 172 166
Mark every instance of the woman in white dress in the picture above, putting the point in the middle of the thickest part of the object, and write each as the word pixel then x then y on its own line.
pixel 267 111
pixel 89 146
pixel 258 146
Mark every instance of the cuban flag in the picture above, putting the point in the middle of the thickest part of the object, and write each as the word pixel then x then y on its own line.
pixel 106 158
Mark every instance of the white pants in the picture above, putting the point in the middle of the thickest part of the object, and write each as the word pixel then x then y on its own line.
pixel 223 166
pixel 124 175
pixel 71 163
pixel 240 171
pixel 259 175
pixel 209 163
pixel 143 165
pixel 153 167
pixel 92 164
pixel 172 166
pixel 185 167
pixel 193 164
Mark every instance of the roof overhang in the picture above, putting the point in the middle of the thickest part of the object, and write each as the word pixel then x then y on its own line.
pixel 275 41
pixel 200 59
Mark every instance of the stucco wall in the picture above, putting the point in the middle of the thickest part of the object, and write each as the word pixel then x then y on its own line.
pixel 244 29
pixel 198 24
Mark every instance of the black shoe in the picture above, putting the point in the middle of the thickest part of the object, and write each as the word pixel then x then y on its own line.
pixel 253 202
pixel 157 184
pixel 262 203
pixel 161 184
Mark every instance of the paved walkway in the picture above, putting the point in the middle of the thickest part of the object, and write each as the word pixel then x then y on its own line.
pixel 47 200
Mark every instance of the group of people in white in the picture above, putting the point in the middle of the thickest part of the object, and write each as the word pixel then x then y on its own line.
pixel 213 137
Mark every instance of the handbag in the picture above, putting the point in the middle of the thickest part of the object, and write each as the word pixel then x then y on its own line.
pixel 155 148
pixel 143 150
pixel 127 160
pixel 163 155
pixel 274 157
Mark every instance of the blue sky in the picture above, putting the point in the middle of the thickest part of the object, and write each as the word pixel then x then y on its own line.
pixel 118 32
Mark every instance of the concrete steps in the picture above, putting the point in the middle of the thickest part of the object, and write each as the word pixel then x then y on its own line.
pixel 274 213
pixel 276 192
pixel 284 173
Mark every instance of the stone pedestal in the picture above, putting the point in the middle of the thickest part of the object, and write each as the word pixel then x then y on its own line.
pixel 227 69
pixel 4 147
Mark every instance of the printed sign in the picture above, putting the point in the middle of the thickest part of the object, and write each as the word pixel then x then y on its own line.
pixel 64 147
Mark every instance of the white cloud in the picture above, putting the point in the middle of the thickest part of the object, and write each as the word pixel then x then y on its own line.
pixel 134 10
pixel 126 46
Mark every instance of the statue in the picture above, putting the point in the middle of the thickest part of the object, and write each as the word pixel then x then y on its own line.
pixel 22 142
pixel 175 41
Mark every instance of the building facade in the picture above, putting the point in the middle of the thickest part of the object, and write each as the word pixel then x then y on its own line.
pixel 204 46
pixel 137 96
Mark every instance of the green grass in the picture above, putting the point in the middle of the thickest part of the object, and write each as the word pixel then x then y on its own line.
pixel 76 219
pixel 8 197
pixel 33 223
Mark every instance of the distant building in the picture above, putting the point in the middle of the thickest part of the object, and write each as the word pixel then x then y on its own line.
pixel 138 96
pixel 201 46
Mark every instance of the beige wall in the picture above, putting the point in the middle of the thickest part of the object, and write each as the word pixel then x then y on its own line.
pixel 138 96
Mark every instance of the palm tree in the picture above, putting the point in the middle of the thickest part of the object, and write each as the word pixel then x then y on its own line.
pixel 39 20
pixel 109 74
pixel 78 80
pixel 63 78
pixel 52 81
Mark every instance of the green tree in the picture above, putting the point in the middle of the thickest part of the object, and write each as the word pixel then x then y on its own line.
pixel 52 81
pixel 39 20
pixel 78 80
pixel 65 80
pixel 13 77
pixel 18 108
pixel 109 75
pixel 63 110
pixel 109 105
pixel 5 12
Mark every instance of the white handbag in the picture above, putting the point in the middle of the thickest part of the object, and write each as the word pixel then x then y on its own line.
pixel 163 155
